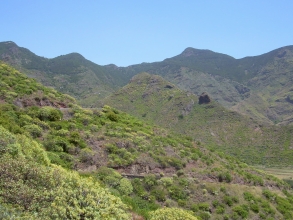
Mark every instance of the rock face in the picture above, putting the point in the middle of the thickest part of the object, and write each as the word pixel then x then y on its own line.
pixel 204 98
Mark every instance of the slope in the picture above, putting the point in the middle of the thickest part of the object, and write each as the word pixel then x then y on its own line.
pixel 70 73
pixel 146 166
pixel 151 98
pixel 259 86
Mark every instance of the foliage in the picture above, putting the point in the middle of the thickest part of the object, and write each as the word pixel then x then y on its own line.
pixel 125 186
pixel 8 143
pixel 171 170
pixel 171 214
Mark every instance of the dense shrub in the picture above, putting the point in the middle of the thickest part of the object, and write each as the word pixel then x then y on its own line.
pixel 34 130
pixel 53 193
pixel 49 114
pixel 125 186
pixel 8 142
pixel 225 177
pixel 171 214
pixel 248 196
pixel 241 210
pixel 159 193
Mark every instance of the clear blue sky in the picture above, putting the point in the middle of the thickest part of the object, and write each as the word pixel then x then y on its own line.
pixel 126 32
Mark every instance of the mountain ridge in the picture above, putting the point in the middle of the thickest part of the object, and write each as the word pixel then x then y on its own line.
pixel 235 83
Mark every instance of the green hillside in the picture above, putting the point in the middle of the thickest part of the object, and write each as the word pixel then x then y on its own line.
pixel 71 73
pixel 151 98
pixel 119 159
pixel 258 86
pixel 31 186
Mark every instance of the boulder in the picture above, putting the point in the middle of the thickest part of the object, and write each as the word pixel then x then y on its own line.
pixel 204 98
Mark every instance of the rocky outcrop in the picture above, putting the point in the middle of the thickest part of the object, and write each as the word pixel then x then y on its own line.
pixel 204 98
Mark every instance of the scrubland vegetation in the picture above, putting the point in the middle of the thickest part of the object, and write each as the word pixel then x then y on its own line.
pixel 61 161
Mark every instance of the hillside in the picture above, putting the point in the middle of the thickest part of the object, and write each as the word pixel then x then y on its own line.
pixel 144 166
pixel 71 73
pixel 151 98
pixel 259 86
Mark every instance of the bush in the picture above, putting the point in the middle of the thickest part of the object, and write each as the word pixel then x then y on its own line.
pixel 54 193
pixel 204 207
pixel 228 200
pixel 125 186
pixel 32 150
pixel 254 207
pixel 177 193
pixel 171 214
pixel 205 215
pixel 49 114
pixel 86 155
pixel 269 195
pixel 220 210
pixel 150 181
pixel 241 210
pixel 248 196
pixel 159 194
pixel 284 207
pixel 109 176
pixel 166 181
pixel 112 116
pixel 8 143
pixel 225 177
pixel 34 130
pixel 57 144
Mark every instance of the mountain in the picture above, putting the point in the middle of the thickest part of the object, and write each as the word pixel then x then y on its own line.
pixel 61 161
pixel 71 73
pixel 259 87
pixel 153 99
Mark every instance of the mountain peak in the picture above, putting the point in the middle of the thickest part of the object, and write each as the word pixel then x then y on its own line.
pixel 147 78
pixel 10 43
pixel 189 51
pixel 74 55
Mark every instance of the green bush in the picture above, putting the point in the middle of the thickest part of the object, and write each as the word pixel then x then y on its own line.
pixel 248 196
pixel 34 130
pixel 285 207
pixel 138 188
pixel 112 116
pixel 268 194
pixel 205 215
pixel 254 207
pixel 8 143
pixel 228 200
pixel 86 155
pixel 125 186
pixel 225 177
pixel 159 193
pixel 177 193
pixel 220 210
pixel 166 181
pixel 204 207
pixel 48 113
pixel 150 181
pixel 53 193
pixel 241 210
pixel 109 176
pixel 171 214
